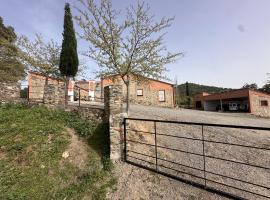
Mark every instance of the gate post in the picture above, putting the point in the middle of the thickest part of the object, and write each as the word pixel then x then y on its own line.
pixel 114 119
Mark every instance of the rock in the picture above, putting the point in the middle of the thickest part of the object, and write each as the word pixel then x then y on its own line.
pixel 65 154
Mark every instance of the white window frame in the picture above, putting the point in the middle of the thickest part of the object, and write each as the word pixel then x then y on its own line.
pixel 163 97
pixel 139 92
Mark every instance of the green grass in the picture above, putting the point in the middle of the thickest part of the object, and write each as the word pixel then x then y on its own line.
pixel 31 165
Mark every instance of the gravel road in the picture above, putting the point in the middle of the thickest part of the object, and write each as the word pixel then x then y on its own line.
pixel 242 172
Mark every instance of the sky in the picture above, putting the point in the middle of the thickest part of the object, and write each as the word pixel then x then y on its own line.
pixel 226 43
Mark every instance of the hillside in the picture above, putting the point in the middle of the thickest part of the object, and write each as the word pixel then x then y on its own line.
pixel 47 154
pixel 196 88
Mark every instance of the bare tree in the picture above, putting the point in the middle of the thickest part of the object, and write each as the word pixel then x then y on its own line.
pixel 40 56
pixel 131 48
pixel 43 57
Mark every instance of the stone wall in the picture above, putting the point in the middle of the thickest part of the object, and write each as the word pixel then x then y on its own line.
pixel 9 91
pixel 37 84
pixel 54 95
pixel 114 118
pixel 88 113
pixel 255 104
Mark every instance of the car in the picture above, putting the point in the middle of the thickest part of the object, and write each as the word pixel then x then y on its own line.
pixel 233 106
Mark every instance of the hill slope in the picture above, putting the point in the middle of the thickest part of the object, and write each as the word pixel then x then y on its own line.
pixel 197 88
pixel 42 158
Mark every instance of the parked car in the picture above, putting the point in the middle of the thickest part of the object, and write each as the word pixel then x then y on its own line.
pixel 233 107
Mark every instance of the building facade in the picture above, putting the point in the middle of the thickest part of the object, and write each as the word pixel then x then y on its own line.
pixel 242 100
pixel 36 83
pixel 85 90
pixel 149 92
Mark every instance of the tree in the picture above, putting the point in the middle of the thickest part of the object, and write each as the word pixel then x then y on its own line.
pixel 131 48
pixel 68 58
pixel 253 86
pixel 266 88
pixel 188 95
pixel 187 89
pixel 43 57
pixel 39 55
pixel 11 69
pixel 69 62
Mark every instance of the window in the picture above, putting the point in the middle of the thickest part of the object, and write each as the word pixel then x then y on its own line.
pixel 139 92
pixel 161 95
pixel 264 103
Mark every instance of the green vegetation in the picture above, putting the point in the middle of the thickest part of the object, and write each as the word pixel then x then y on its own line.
pixel 196 88
pixel 11 69
pixel 31 145
pixel 187 90
pixel 69 62
pixel 130 45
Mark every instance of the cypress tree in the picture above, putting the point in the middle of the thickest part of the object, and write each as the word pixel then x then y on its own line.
pixel 187 89
pixel 68 65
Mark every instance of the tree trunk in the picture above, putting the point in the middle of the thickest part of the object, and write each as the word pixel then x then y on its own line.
pixel 46 83
pixel 66 92
pixel 127 97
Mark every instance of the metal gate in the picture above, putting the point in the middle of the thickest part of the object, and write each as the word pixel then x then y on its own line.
pixel 233 161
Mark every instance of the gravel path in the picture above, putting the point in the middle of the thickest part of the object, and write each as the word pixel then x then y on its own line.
pixel 197 116
pixel 138 186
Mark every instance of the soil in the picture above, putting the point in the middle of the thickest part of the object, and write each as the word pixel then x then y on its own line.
pixel 136 184
pixel 77 150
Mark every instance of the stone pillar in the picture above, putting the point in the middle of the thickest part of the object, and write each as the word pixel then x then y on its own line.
pixel 61 94
pixel 114 116
pixel 50 92
pixel 54 94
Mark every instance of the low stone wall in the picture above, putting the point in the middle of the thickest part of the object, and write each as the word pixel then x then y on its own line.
pixel 88 113
pixel 9 92
pixel 111 114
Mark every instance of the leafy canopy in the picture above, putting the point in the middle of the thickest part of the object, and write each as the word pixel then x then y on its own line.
pixel 11 69
pixel 39 55
pixel 133 46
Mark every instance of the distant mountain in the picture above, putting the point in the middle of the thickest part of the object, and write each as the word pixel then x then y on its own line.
pixel 196 88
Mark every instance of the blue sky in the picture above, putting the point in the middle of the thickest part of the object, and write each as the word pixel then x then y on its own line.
pixel 226 42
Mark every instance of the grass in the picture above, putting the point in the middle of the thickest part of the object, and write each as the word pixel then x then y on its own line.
pixel 31 165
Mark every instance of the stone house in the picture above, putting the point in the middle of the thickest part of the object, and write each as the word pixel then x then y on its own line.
pixel 89 90
pixel 242 100
pixel 149 92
